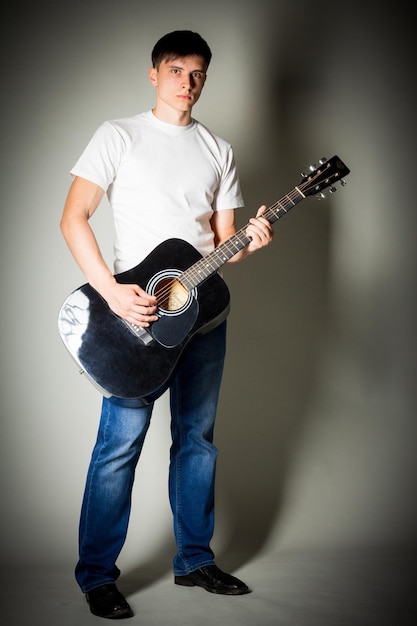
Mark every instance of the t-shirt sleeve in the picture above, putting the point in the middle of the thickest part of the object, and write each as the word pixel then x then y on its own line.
pixel 229 195
pixel 101 158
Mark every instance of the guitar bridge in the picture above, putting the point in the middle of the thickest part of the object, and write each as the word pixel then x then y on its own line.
pixel 139 332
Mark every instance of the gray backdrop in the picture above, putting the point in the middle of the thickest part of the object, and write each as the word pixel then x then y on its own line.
pixel 317 423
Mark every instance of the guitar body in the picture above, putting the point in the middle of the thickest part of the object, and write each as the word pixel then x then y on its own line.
pixel 128 362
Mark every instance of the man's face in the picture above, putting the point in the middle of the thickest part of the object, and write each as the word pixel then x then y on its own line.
pixel 179 82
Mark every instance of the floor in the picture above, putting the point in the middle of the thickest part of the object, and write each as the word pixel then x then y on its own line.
pixel 287 590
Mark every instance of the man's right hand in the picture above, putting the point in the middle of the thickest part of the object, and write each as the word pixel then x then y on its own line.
pixel 132 303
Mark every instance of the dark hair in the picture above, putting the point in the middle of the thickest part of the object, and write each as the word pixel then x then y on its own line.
pixel 178 44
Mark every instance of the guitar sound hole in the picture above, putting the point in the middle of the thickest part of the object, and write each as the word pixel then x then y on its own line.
pixel 171 295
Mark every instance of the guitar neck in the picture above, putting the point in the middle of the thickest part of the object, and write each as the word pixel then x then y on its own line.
pixel 213 261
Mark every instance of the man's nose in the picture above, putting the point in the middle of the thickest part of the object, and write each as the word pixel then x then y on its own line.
pixel 188 82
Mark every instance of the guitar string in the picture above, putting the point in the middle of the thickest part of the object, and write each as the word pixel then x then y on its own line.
pixel 276 211
pixel 205 262
pixel 273 211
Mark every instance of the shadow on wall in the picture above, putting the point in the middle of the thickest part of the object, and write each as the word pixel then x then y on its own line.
pixel 279 304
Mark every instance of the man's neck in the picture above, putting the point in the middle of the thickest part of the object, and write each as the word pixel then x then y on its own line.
pixel 171 116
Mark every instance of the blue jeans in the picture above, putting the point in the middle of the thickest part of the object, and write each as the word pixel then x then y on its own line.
pixel 123 426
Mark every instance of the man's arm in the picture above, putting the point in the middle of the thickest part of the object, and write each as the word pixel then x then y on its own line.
pixel 259 229
pixel 128 301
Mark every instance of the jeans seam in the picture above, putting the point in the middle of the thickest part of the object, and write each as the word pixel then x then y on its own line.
pixel 178 491
pixel 92 477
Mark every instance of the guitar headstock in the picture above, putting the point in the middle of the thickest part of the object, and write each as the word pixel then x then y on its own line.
pixel 326 174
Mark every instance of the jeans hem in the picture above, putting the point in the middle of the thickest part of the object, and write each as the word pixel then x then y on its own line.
pixel 109 581
pixel 192 568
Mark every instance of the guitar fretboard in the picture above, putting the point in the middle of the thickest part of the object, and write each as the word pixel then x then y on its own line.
pixel 207 265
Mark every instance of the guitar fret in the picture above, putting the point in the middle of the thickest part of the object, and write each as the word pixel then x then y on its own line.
pixel 285 204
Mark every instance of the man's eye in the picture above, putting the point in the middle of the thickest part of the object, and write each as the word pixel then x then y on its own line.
pixel 197 75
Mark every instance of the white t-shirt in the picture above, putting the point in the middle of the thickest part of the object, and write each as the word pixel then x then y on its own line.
pixel 162 181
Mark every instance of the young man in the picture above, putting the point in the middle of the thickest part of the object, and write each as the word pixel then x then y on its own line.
pixel 166 175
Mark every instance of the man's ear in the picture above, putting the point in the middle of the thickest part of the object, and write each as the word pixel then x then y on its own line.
pixel 153 74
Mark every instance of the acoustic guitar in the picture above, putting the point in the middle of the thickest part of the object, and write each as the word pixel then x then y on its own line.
pixel 131 362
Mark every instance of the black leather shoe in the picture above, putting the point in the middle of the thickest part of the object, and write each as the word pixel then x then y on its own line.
pixel 107 601
pixel 212 579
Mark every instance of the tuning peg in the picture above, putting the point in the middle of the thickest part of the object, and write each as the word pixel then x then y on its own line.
pixel 313 167
pixel 304 174
pixel 343 182
pixel 320 196
pixel 332 189
pixel 322 161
